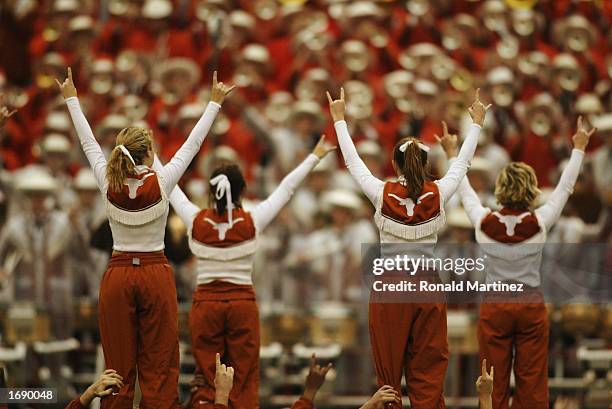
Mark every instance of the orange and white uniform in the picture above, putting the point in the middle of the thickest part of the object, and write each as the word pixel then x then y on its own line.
pixel 513 330
pixel 409 337
pixel 137 307
pixel 224 317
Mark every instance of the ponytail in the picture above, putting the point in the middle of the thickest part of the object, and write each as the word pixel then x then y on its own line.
pixel 237 182
pixel 119 167
pixel 411 163
pixel 133 146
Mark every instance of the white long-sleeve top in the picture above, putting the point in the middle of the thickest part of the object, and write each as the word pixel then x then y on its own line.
pixel 527 268
pixel 373 187
pixel 239 271
pixel 148 237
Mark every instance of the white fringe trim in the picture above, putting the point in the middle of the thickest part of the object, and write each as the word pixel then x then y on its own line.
pixel 204 251
pixel 410 232
pixel 139 217
pixel 511 251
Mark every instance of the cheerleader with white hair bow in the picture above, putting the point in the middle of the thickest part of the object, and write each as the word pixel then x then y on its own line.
pixel 224 315
pixel 137 306
pixel 409 336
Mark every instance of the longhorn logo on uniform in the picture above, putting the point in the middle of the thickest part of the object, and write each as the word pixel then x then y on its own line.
pixel 222 228
pixel 408 203
pixel 511 221
pixel 134 184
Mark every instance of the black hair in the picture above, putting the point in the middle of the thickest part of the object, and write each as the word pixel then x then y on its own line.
pixel 233 173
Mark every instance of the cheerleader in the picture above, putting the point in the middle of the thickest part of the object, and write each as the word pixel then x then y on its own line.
pixel 513 330
pixel 224 315
pixel 137 306
pixel 410 337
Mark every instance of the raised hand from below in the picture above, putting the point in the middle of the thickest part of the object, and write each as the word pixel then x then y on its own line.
pixel 315 378
pixel 224 381
pixel 484 386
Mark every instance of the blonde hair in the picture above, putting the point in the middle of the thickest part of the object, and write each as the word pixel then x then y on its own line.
pixel 516 186
pixel 138 142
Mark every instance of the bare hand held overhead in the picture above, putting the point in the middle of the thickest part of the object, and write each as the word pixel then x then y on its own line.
pixel 581 137
pixel 448 141
pixel 67 87
pixel 322 148
pixel 220 90
pixel 478 110
pixel 337 107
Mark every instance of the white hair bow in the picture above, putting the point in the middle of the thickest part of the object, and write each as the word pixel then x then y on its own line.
pixel 404 146
pixel 224 187
pixel 126 153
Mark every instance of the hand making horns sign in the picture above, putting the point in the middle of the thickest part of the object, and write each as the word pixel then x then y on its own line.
pixel 337 107
pixel 67 87
pixel 478 110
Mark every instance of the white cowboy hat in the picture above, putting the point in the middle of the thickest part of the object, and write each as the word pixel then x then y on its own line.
pixel 35 179
pixel 55 143
pixel 85 180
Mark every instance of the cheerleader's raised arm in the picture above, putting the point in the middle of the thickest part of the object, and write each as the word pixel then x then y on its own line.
pixel 459 166
pixel 370 185
pixel 549 213
pixel 471 202
pixel 90 146
pixel 267 210
pixel 174 169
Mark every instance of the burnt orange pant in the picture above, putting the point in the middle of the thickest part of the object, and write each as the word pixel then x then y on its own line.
pixel 410 339
pixel 516 333
pixel 138 319
pixel 224 318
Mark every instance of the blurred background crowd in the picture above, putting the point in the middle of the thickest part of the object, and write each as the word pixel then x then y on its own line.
pixel 405 66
